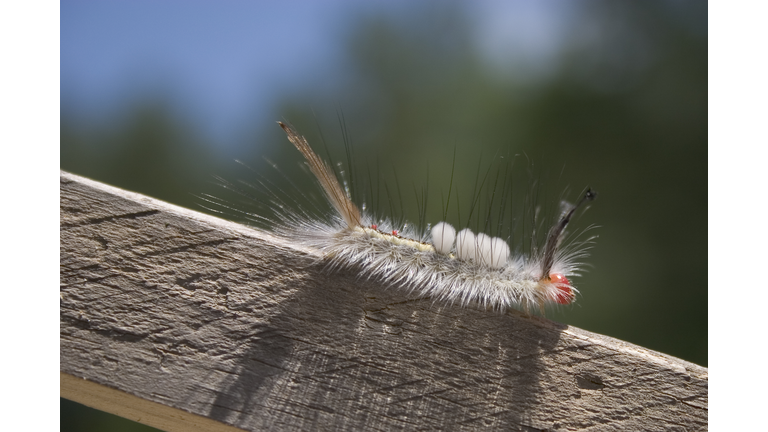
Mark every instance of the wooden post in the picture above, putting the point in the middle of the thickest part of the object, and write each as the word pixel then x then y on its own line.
pixel 185 322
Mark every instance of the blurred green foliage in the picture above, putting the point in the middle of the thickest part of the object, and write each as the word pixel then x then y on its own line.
pixel 76 417
pixel 625 112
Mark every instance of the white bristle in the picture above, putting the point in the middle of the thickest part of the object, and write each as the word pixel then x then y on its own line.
pixel 443 235
pixel 466 245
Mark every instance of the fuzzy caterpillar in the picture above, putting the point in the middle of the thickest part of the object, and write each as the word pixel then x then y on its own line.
pixel 464 267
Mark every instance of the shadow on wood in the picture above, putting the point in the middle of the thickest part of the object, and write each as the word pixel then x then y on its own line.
pixel 216 319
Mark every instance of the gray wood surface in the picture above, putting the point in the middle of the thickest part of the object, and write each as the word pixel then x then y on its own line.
pixel 214 318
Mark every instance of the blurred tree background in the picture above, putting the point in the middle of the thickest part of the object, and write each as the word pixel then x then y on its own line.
pixel 622 108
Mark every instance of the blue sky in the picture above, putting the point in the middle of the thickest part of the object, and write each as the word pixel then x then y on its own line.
pixel 221 64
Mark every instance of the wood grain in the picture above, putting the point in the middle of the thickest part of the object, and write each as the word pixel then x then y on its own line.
pixel 225 322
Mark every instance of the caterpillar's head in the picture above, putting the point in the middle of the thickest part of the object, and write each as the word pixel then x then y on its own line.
pixel 555 289
pixel 564 292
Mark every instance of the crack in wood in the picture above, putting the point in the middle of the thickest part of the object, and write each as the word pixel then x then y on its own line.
pixel 100 220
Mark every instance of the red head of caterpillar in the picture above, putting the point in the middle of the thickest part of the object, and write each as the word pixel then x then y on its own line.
pixel 455 267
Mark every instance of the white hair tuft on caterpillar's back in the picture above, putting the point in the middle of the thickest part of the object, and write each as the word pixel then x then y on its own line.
pixel 453 267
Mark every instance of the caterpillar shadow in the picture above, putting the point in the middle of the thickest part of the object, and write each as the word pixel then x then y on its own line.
pixel 341 353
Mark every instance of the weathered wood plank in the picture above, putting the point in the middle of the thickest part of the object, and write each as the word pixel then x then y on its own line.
pixel 225 322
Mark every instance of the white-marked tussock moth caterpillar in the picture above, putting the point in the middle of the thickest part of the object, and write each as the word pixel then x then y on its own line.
pixel 456 267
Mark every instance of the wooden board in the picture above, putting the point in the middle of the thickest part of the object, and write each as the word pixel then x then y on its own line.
pixel 216 319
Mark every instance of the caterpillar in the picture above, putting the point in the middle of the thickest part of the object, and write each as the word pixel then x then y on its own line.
pixel 463 267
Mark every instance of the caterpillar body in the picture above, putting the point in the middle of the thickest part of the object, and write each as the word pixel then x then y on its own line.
pixel 462 267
